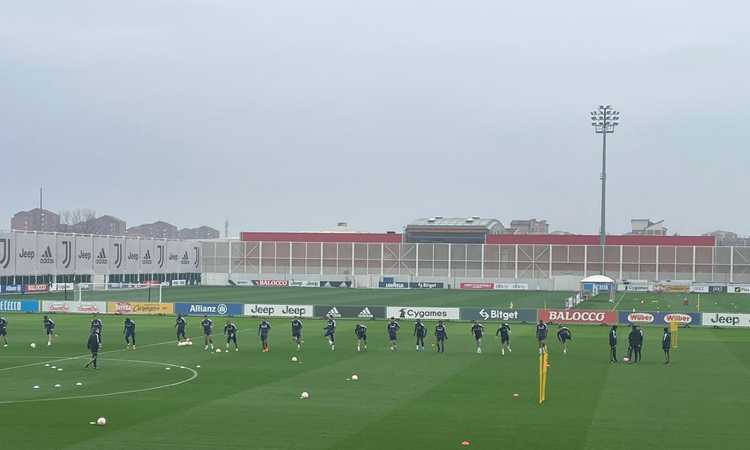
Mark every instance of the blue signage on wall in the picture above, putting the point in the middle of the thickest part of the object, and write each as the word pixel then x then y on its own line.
pixel 208 309
pixel 19 306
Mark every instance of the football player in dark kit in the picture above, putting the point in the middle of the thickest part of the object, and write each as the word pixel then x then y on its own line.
pixel 263 330
pixel 420 331
pixel 49 328
pixel 297 333
pixel 393 328
pixel 477 329
pixel 330 332
pixel 441 335
pixel 504 333
pixel 563 336
pixel 4 330
pixel 180 324
pixel 208 328
pixel 361 332
pixel 613 344
pixel 635 340
pixel 230 331
pixel 129 332
pixel 93 345
pixel 541 336
pixel 96 325
pixel 666 344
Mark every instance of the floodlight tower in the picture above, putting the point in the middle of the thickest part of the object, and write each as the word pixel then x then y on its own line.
pixel 604 120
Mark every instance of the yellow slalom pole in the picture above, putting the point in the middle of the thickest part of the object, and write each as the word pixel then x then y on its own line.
pixel 674 328
pixel 540 379
pixel 544 375
pixel 543 362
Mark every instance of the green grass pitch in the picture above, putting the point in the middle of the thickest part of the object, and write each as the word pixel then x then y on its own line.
pixel 403 400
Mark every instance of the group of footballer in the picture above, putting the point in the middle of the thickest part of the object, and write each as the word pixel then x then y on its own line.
pixel 564 335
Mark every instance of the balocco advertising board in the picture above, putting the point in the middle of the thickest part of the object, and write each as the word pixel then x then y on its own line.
pixel 728 320
pixel 32 288
pixel 257 310
pixel 140 308
pixel 74 307
pixel 423 313
pixel 577 316
pixel 270 283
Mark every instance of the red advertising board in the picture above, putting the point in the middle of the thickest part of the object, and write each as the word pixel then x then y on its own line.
pixel 271 283
pixel 477 286
pixel 36 288
pixel 577 316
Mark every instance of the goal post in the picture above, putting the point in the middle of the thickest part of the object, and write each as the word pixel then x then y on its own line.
pixel 136 292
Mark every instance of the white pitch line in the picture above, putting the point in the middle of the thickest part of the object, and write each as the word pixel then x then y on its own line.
pixel 68 358
pixel 85 355
pixel 32 357
pixel 622 297
pixel 110 394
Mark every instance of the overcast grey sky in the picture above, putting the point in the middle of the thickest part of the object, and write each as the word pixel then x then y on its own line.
pixel 293 115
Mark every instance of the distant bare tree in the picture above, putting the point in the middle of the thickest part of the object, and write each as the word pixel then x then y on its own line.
pixel 64 217
pixel 76 216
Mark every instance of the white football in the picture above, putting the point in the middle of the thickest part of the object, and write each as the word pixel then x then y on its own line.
pixel 626 359
pixel 305 395
pixel 355 377
pixel 218 350
pixel 294 359
pixel 101 421
pixel 32 345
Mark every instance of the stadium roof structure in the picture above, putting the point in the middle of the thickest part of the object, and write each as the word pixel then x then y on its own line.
pixel 598 279
pixel 457 222
pixel 458 230
pixel 343 237
pixel 592 239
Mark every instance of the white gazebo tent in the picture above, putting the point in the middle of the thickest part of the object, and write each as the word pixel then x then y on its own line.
pixel 594 285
